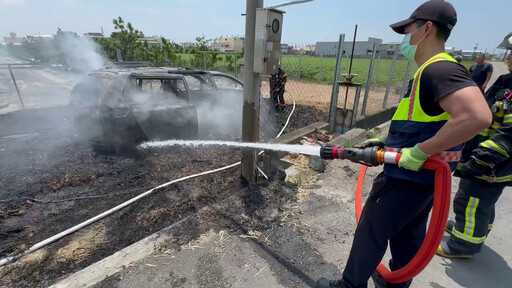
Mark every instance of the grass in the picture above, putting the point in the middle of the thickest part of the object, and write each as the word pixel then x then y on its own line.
pixel 321 70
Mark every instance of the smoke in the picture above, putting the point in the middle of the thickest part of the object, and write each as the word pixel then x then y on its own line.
pixel 220 114
pixel 79 53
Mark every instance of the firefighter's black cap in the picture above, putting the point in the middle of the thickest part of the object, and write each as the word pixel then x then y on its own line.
pixel 438 11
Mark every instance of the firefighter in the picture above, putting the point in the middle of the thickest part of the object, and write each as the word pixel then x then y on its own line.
pixel 441 110
pixel 485 170
pixel 277 88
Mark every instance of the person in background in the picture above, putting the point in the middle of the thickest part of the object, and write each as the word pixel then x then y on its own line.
pixel 277 88
pixel 481 72
pixel 458 58
pixel 485 170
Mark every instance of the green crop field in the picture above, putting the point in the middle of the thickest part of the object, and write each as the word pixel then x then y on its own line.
pixel 319 70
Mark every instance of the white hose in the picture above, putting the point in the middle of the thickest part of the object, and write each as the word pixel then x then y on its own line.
pixel 73 229
pixel 289 116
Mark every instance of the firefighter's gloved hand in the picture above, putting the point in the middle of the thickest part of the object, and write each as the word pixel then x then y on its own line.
pixel 412 158
pixel 474 168
pixel 380 142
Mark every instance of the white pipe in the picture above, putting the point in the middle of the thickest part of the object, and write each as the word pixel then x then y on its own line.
pixel 288 4
pixel 289 116
pixel 73 229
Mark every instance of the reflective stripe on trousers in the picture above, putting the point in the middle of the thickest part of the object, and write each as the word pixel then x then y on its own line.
pixel 469 225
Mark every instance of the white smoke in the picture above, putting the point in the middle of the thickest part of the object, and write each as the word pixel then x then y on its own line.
pixel 80 53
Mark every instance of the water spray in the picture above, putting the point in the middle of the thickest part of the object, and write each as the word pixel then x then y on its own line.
pixel 301 149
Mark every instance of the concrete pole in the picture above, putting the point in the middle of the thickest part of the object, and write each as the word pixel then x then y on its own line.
pixel 250 120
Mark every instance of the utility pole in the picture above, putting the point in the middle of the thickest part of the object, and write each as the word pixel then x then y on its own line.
pixel 250 119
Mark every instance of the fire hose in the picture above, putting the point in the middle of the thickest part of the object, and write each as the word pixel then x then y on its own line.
pixel 377 156
pixel 48 241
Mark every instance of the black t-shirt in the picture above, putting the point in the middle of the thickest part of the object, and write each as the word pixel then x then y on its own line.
pixel 438 80
pixel 479 73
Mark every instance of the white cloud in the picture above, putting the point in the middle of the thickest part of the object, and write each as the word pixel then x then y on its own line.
pixel 11 3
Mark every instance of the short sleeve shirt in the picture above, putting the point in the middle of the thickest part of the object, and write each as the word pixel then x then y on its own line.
pixel 479 73
pixel 441 79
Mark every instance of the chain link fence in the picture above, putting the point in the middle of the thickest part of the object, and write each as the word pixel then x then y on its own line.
pixel 309 82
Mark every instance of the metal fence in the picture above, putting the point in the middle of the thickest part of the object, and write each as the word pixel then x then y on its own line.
pixel 33 86
pixel 310 83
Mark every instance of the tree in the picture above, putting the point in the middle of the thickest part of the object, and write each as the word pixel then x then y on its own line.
pixel 128 39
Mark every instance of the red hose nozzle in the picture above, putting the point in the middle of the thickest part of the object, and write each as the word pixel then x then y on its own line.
pixel 371 156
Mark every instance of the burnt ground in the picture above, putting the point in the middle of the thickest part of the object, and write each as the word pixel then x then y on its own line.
pixel 51 180
pixel 302 116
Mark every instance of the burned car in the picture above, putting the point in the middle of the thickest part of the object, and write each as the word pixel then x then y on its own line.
pixel 219 99
pixel 121 108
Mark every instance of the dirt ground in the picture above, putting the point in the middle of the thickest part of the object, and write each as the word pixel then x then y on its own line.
pixel 51 180
pixel 319 96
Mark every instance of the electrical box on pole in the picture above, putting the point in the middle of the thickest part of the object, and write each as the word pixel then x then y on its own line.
pixel 267 46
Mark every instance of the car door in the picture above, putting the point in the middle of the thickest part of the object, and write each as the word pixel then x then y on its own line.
pixel 162 108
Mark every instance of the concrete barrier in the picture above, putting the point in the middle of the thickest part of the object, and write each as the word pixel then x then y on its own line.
pixel 373 120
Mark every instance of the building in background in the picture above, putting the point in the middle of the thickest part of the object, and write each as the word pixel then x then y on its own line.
pixel 41 37
pixel 470 54
pixel 94 35
pixel 388 50
pixel 229 44
pixel 361 49
pixel 153 41
pixel 187 45
pixel 13 39
pixel 284 49
pixel 449 50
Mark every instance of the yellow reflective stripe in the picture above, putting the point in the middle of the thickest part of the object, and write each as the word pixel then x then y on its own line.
pixel 459 165
pixel 497 179
pixel 469 227
pixel 484 163
pixel 416 114
pixel 489 227
pixel 470 239
pixel 493 146
pixel 507 121
pixel 508 116
pixel 487 132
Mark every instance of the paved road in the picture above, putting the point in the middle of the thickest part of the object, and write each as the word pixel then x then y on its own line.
pixel 39 87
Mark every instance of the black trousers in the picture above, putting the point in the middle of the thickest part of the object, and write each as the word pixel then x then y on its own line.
pixel 474 214
pixel 396 211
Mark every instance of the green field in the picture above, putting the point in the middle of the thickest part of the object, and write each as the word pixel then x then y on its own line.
pixel 320 70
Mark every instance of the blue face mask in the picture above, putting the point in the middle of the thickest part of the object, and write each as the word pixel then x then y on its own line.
pixel 408 50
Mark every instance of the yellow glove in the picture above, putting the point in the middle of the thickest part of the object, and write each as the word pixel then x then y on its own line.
pixel 412 158
pixel 381 142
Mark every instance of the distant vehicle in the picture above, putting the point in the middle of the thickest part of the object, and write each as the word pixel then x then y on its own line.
pixel 119 109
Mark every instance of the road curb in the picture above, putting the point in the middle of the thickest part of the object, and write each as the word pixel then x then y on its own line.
pixel 114 263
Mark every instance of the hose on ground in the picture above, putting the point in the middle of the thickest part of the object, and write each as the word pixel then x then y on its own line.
pixel 96 218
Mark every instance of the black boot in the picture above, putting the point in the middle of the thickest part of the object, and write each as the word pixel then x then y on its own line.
pixel 326 283
pixel 379 281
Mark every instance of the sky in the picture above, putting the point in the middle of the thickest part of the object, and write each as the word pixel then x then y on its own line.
pixel 485 23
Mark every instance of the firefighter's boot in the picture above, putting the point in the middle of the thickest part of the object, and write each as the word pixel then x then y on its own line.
pixel 326 283
pixel 444 251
